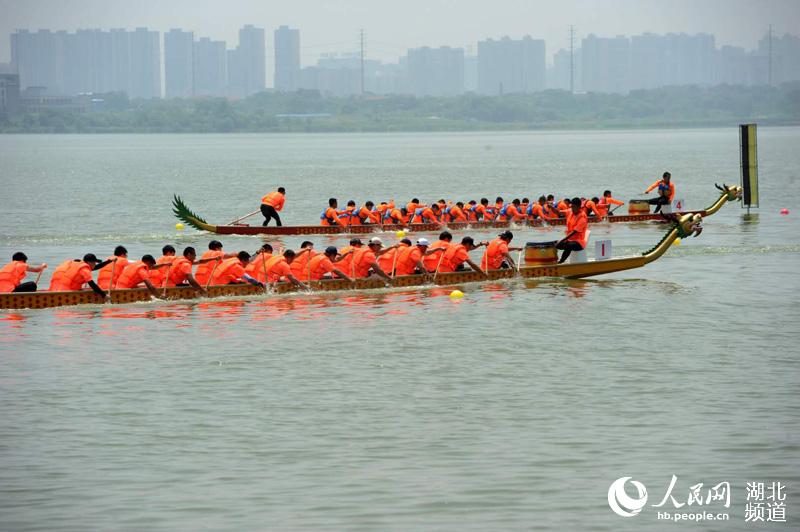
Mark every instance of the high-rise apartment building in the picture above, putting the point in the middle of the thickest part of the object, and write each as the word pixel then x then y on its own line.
pixel 178 64
pixel 511 66
pixel 145 80
pixel 287 59
pixel 436 71
pixel 247 63
pixel 605 64
pixel 210 67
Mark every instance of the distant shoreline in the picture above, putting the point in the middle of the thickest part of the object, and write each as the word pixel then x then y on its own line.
pixel 493 128
pixel 310 112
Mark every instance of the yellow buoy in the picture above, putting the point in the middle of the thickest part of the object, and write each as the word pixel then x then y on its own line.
pixel 677 242
pixel 179 226
pixel 400 234
pixel 456 294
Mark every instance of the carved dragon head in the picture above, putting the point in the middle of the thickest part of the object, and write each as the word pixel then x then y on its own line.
pixel 687 224
pixel 734 192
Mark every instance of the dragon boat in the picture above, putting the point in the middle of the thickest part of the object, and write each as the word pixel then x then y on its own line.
pixel 681 226
pixel 186 215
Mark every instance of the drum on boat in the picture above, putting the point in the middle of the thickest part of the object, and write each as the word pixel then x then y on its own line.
pixel 537 253
pixel 638 206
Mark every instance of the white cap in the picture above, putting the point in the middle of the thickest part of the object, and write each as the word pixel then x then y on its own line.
pixel 423 242
pixel 375 240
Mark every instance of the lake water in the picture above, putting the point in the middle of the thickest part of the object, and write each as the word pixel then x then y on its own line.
pixel 514 408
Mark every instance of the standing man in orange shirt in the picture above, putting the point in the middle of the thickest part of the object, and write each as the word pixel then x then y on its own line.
pixel 12 274
pixel 577 224
pixel 271 204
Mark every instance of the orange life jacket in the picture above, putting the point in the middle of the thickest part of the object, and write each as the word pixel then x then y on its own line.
pixel 274 199
pixel 11 275
pixel 159 276
pixel 228 271
pixel 70 275
pixel 494 255
pixel 133 275
pixel 204 270
pixel 432 261
pixel 256 268
pixel 104 274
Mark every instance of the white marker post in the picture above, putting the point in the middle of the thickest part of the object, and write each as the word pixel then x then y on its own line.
pixel 602 250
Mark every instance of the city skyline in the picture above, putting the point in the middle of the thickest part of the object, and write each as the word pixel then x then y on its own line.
pixel 334 28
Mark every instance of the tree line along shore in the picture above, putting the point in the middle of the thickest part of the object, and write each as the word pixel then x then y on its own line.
pixel 308 111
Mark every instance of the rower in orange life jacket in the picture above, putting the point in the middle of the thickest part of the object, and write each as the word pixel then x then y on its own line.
pixel 523 206
pixel 563 208
pixel 576 231
pixel 330 216
pixel 484 212
pixel 12 274
pixel 427 215
pixel 117 263
pixel 410 259
pixel 497 254
pixel 666 191
pixel 433 260
pixel 539 211
pixel 366 259
pixel 180 272
pixel 257 266
pixel 397 216
pixel 387 261
pixel 368 215
pixel 158 276
pixel 279 268
pixel 609 200
pixel 299 265
pixel 349 215
pixel 498 206
pixel 325 263
pixel 457 254
pixel 454 213
pixel 232 271
pixel 71 275
pixel 346 256
pixel 511 212
pixel 550 207
pixel 208 263
pixel 592 208
pixel 470 210
pixel 412 206
pixel 137 273
pixel 384 209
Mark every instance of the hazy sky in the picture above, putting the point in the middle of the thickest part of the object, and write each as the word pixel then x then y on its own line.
pixel 393 26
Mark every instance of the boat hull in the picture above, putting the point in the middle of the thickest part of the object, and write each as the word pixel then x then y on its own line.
pixel 428 227
pixel 39 300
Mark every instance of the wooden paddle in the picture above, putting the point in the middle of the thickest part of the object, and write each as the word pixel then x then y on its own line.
pixel 436 272
pixel 264 267
pixel 208 283
pixel 243 217
pixel 36 282
pixel 166 280
pixel 111 281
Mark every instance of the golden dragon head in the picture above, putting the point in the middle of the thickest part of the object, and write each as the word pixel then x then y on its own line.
pixel 734 192
pixel 687 224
